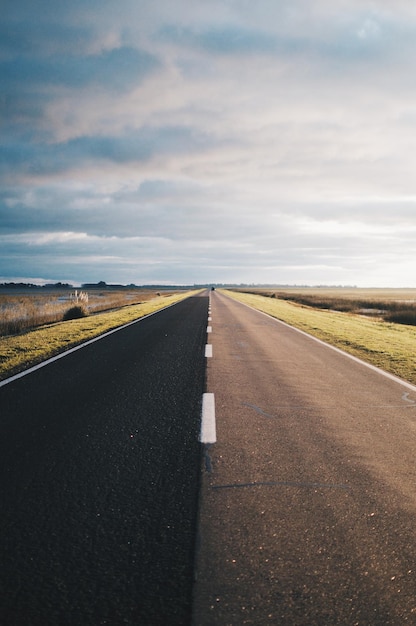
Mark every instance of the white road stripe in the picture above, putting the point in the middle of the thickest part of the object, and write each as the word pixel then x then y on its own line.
pixel 210 319
pixel 208 431
pixel 209 329
pixel 208 350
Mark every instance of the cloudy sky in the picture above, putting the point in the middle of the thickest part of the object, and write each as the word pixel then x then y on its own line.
pixel 190 141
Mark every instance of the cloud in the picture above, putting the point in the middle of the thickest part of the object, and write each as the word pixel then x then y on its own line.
pixel 221 40
pixel 39 159
pixel 58 63
pixel 346 37
pixel 208 141
pixel 117 69
pixel 22 37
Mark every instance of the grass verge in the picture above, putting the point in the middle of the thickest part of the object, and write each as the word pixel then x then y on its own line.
pixel 392 347
pixel 19 352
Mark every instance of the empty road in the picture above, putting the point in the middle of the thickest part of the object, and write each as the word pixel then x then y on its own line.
pixel 300 509
pixel 308 500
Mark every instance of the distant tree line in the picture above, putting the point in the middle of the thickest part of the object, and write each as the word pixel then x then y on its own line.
pixel 13 285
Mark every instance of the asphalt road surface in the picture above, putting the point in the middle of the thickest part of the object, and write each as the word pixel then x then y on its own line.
pixel 308 499
pixel 100 465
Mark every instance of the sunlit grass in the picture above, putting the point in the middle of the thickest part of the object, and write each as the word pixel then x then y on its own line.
pixel 19 352
pixel 391 305
pixel 389 346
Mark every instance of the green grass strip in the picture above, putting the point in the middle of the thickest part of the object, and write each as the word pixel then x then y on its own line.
pixel 392 347
pixel 18 352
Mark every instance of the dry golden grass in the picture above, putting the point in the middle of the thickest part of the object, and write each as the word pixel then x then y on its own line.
pixel 18 352
pixel 30 308
pixel 392 347
pixel 392 305
pixel 351 293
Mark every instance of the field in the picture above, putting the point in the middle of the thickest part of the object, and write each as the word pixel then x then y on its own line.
pixel 392 305
pixel 361 331
pixel 27 348
pixel 27 308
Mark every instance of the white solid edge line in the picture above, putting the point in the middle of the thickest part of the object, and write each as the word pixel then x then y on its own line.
pixel 208 350
pixel 208 431
pixel 61 355
pixel 392 377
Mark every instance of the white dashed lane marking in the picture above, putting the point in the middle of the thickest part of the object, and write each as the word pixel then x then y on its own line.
pixel 208 433
pixel 208 430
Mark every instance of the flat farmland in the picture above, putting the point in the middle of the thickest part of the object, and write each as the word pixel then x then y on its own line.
pixel 351 293
pixel 24 308
pixel 358 321
pixel 377 302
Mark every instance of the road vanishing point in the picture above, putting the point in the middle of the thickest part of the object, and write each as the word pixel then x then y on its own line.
pixel 207 465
